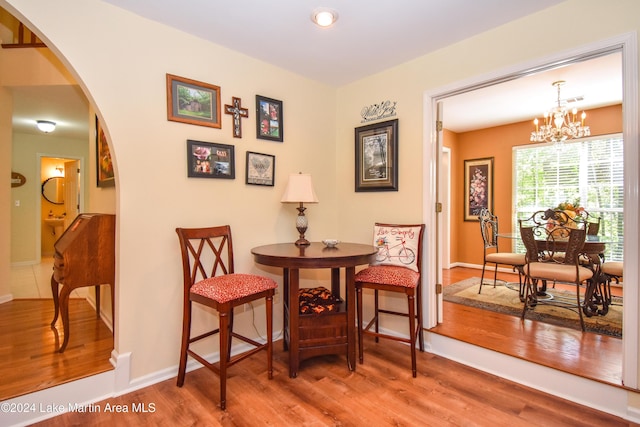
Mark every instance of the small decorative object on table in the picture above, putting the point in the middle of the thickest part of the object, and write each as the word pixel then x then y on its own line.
pixel 330 243
pixel 572 209
pixel 568 214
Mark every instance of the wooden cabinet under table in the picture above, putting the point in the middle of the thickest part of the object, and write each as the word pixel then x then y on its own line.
pixel 313 335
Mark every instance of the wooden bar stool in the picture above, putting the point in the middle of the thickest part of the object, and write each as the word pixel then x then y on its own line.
pixel 397 269
pixel 209 279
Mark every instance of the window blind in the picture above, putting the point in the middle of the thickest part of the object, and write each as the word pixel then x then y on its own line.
pixel 589 170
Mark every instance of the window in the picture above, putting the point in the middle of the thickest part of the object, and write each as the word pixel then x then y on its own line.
pixel 588 169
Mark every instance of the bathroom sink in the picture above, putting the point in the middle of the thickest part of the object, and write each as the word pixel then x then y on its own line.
pixel 56 224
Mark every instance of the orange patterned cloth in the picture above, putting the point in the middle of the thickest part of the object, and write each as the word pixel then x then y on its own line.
pixel 389 275
pixel 317 301
pixel 232 286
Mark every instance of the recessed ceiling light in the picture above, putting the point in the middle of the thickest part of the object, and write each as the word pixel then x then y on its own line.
pixel 324 17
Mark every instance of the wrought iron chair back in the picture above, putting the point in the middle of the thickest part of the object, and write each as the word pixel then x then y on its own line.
pixel 488 228
pixel 554 241
pixel 491 253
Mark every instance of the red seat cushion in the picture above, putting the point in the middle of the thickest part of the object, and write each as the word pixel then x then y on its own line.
pixel 389 275
pixel 232 286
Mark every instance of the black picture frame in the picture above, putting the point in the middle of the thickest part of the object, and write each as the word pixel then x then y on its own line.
pixel 376 162
pixel 104 164
pixel 210 160
pixel 193 102
pixel 478 187
pixel 269 119
pixel 260 169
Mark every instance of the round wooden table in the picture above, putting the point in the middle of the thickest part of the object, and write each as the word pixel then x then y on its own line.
pixel 317 334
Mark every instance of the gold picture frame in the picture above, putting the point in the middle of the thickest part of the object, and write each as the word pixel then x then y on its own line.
pixel 104 163
pixel 193 102
pixel 478 187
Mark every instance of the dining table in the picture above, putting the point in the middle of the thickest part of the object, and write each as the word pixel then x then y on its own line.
pixel 592 256
pixel 310 335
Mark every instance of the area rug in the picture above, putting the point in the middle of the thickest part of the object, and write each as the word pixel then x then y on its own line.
pixel 505 299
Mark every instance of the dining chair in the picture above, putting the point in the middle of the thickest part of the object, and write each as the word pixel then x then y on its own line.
pixel 610 271
pixel 593 225
pixel 398 268
pixel 492 255
pixel 209 279
pixel 553 242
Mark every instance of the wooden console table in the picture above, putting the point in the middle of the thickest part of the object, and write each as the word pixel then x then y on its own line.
pixel 317 334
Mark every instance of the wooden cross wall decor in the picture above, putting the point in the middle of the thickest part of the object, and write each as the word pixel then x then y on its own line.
pixel 237 112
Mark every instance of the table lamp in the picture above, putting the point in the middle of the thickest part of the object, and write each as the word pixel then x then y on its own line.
pixel 300 190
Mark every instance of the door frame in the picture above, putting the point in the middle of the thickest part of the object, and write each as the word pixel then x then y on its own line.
pixel 38 228
pixel 627 44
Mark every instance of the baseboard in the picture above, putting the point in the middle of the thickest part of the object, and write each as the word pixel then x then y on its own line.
pixel 105 315
pixel 489 269
pixel 603 397
pixel 24 263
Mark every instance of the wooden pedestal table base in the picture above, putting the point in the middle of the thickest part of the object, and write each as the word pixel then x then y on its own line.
pixel 308 336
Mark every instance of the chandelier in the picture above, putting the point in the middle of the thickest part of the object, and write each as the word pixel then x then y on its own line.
pixel 559 123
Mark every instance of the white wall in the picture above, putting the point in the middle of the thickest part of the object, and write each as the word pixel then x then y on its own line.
pixel 123 73
pixel 6 102
pixel 520 41
pixel 121 60
pixel 546 33
pixel 26 218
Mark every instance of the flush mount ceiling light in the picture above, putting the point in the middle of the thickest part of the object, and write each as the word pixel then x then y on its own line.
pixel 324 17
pixel 46 126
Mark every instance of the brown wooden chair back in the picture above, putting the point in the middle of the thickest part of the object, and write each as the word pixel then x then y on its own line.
pixel 206 252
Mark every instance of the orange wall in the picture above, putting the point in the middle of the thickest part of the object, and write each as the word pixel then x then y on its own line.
pixel 497 142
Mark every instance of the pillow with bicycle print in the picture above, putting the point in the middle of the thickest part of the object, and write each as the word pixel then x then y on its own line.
pixel 397 246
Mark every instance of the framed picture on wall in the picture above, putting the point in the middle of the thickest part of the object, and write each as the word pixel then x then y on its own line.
pixel 260 169
pixel 377 157
pixel 478 187
pixel 209 160
pixel 193 102
pixel 269 119
pixel 104 165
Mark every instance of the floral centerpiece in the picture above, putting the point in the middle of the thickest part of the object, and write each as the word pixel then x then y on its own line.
pixel 572 210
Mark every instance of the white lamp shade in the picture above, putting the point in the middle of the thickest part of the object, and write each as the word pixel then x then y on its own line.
pixel 299 189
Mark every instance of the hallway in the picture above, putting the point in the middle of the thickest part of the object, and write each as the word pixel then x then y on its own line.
pixel 29 342
pixel 34 281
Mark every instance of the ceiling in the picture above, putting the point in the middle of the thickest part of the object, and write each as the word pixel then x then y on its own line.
pixel 65 105
pixel 597 82
pixel 281 33
pixel 369 35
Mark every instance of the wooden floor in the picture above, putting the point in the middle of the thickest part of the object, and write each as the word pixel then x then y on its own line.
pixel 593 356
pixel 325 379
pixel 381 392
pixel 28 358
